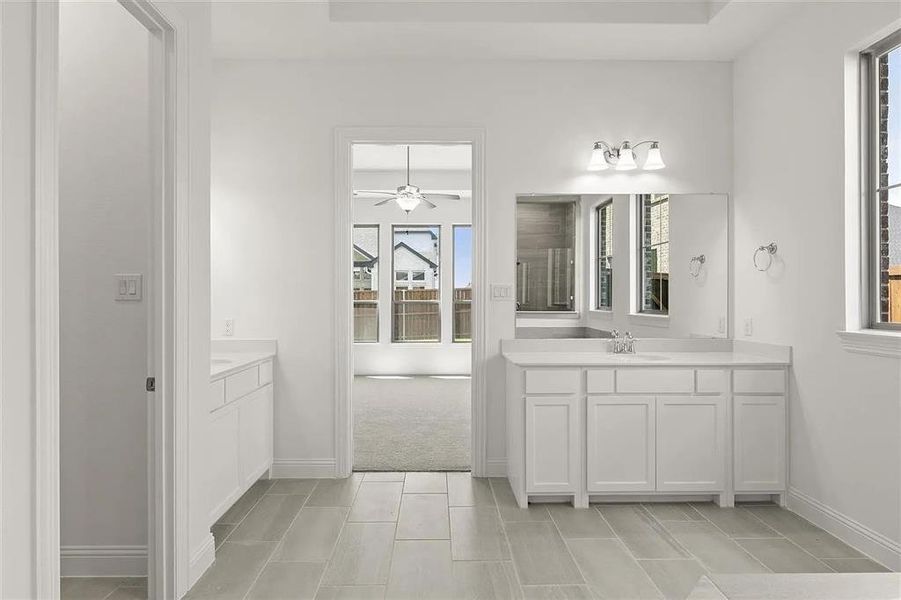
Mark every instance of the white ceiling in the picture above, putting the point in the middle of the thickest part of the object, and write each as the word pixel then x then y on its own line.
pixel 423 157
pixel 496 30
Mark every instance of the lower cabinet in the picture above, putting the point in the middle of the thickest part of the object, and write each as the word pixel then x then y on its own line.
pixel 606 431
pixel 691 443
pixel 240 445
pixel 621 443
pixel 255 434
pixel 759 440
pixel 552 444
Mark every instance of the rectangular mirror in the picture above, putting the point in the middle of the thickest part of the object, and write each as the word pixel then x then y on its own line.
pixel 656 265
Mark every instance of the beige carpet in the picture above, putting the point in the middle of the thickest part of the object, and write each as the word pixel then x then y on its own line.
pixel 416 424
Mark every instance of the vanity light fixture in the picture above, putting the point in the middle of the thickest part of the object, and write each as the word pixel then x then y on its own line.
pixel 622 157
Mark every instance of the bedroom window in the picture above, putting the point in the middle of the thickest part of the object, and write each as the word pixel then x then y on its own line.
pixel 366 283
pixel 604 271
pixel 653 252
pixel 882 94
pixel 416 314
pixel 462 283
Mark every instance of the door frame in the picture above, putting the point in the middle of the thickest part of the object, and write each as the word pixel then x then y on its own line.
pixel 345 137
pixel 167 297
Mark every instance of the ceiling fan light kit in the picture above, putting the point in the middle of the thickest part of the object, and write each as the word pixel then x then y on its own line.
pixel 408 196
pixel 622 157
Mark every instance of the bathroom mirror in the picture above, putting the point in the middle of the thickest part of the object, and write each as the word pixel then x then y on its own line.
pixel 656 265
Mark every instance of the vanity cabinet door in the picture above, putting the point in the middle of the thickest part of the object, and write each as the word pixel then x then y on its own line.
pixel 691 440
pixel 621 442
pixel 552 444
pixel 759 443
pixel 255 434
pixel 223 477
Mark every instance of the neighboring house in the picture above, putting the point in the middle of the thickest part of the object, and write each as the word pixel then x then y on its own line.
pixel 415 259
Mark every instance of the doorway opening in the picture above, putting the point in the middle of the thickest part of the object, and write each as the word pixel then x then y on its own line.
pixel 412 249
pixel 112 105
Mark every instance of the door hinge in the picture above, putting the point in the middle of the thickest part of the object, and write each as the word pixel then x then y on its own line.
pixel 150 384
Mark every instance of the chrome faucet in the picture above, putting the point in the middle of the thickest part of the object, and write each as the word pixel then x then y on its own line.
pixel 623 344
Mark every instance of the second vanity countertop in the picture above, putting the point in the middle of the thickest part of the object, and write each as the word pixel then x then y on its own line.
pixel 649 353
pixel 228 357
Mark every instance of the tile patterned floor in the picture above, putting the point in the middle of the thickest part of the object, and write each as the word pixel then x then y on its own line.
pixel 448 536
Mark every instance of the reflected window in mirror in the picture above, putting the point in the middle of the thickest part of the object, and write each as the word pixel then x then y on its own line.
pixel 545 254
pixel 604 271
pixel 654 253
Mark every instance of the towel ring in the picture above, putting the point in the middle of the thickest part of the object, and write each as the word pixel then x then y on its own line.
pixel 694 265
pixel 769 250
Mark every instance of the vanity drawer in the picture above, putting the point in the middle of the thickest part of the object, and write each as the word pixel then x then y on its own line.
pixel 600 381
pixel 759 381
pixel 266 372
pixel 241 383
pixel 710 381
pixel 655 381
pixel 217 394
pixel 552 381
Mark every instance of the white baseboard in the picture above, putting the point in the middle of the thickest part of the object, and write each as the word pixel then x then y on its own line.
pixel 103 561
pixel 201 560
pixel 303 468
pixel 870 542
pixel 496 467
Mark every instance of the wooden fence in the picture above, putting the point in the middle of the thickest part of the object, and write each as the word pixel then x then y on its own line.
pixel 416 315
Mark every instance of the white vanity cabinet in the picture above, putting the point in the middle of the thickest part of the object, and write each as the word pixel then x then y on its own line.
pixel 645 430
pixel 240 432
pixel 621 442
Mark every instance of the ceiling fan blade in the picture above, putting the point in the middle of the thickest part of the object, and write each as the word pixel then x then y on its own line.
pixel 442 196
pixel 428 204
pixel 373 193
pixel 383 202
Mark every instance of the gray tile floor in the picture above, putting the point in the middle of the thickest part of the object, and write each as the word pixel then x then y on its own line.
pixel 447 535
pixel 103 588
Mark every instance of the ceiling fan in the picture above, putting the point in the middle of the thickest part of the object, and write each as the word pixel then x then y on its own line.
pixel 408 196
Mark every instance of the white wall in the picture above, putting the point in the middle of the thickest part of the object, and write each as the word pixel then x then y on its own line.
pixel 105 202
pixel 699 224
pixel 273 128
pixel 385 357
pixel 845 434
pixel 17 341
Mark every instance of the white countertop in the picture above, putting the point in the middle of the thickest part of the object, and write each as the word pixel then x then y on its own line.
pixel 553 358
pixel 223 364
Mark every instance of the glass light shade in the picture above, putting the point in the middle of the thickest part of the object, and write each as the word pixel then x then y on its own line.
pixel 597 161
pixel 655 160
pixel 407 202
pixel 626 160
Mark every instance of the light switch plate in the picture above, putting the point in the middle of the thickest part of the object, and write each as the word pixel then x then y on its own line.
pixel 501 291
pixel 129 287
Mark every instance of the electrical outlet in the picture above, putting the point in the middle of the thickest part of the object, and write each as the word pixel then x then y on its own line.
pixel 229 327
pixel 721 325
pixel 749 327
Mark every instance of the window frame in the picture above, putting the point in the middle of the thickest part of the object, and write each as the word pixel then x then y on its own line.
pixel 640 252
pixel 377 301
pixel 870 169
pixel 607 204
pixel 409 282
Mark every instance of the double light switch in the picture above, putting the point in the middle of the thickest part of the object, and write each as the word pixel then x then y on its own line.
pixel 129 286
